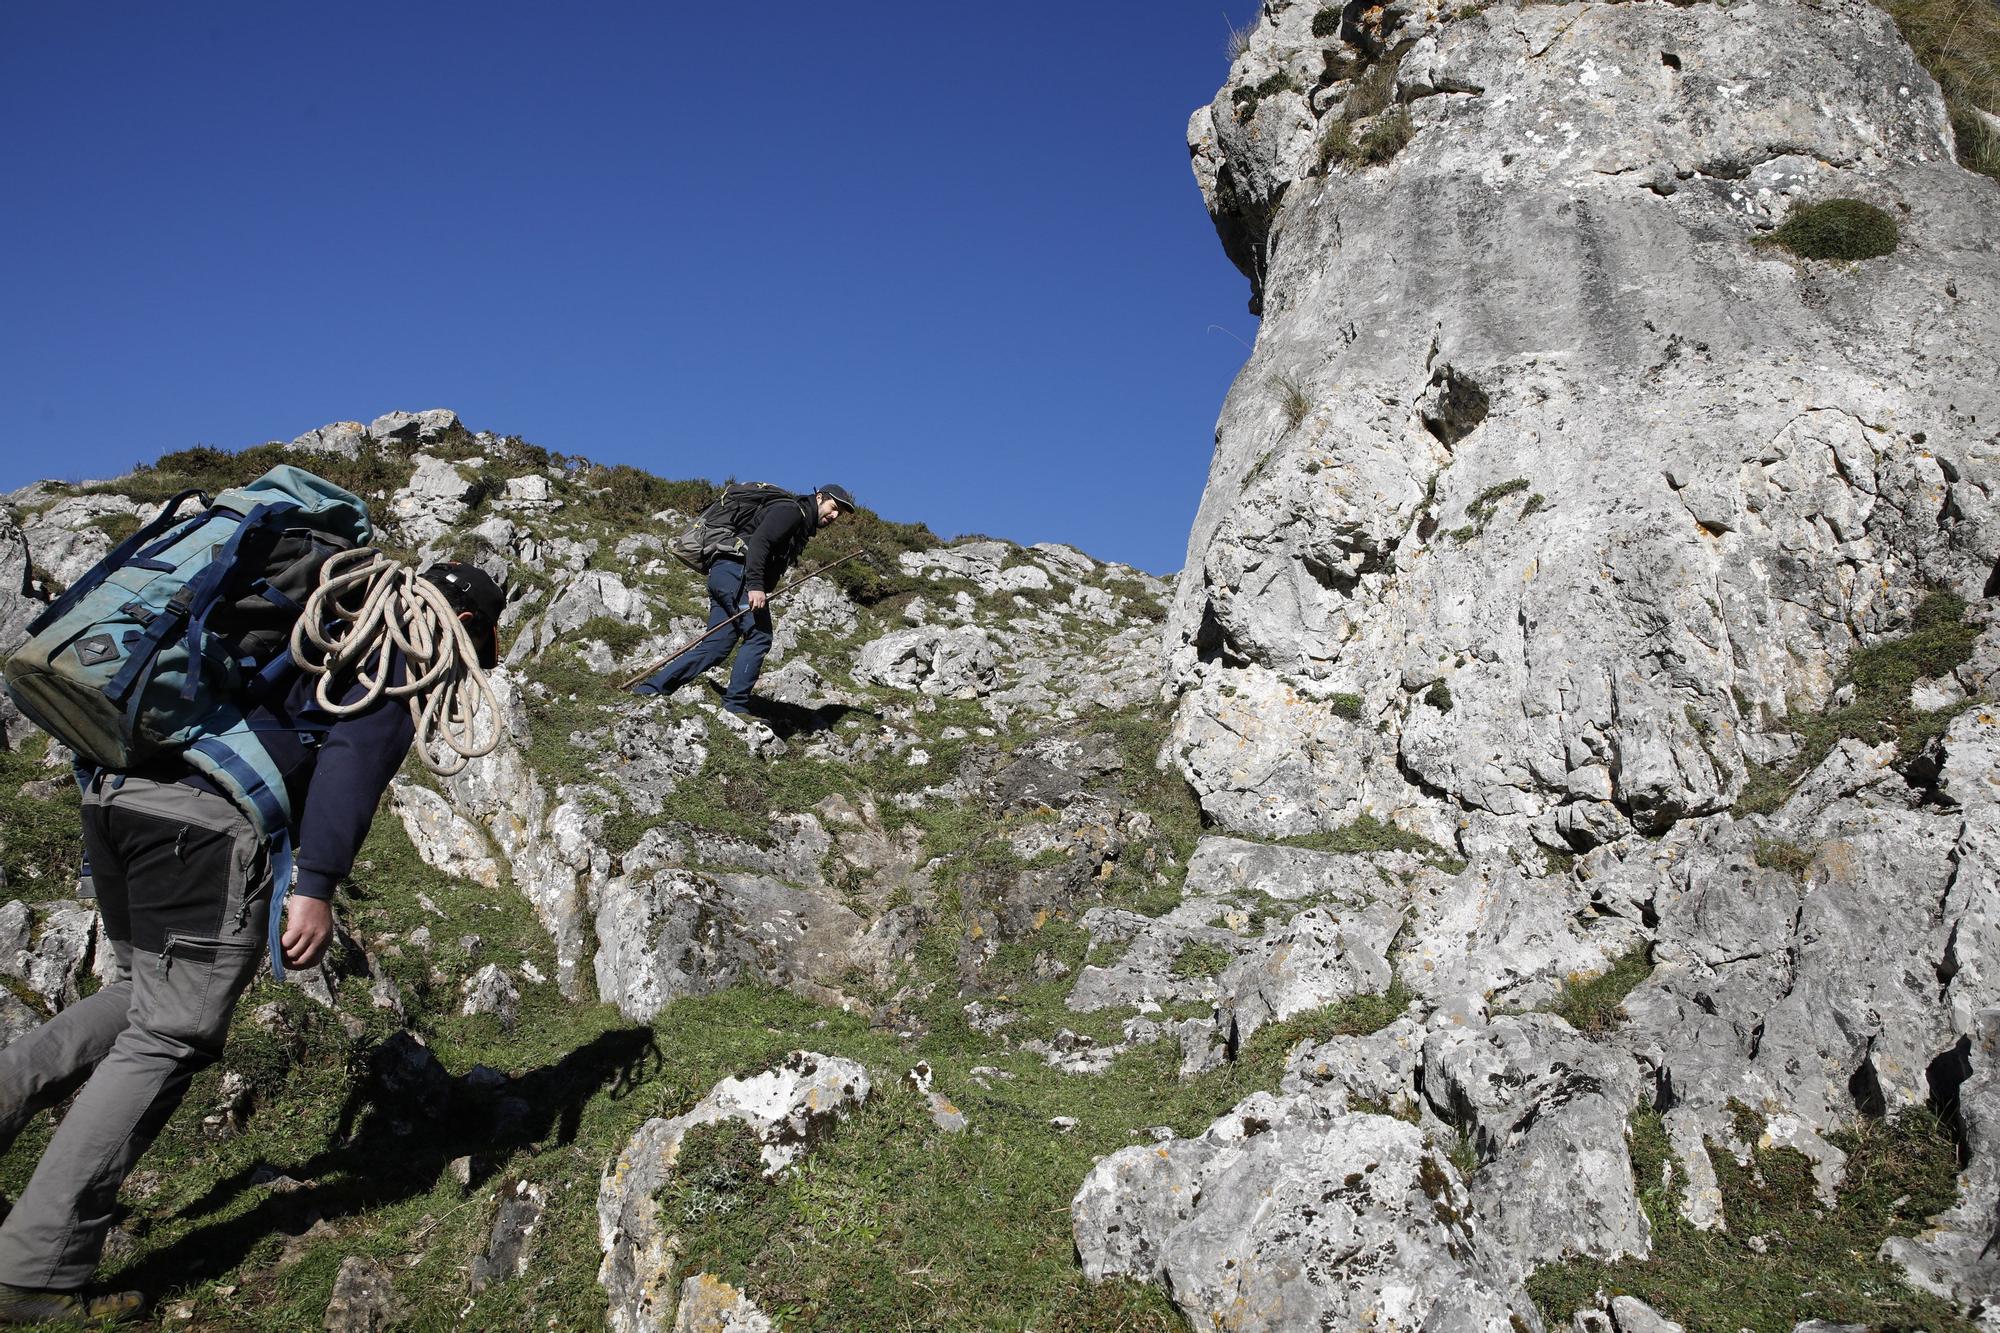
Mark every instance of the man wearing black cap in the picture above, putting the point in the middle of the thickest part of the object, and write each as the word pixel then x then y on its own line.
pixel 185 887
pixel 740 581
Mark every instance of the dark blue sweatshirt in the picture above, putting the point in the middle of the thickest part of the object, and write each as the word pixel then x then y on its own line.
pixel 336 769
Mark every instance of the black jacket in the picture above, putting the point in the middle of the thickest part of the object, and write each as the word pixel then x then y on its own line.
pixel 782 531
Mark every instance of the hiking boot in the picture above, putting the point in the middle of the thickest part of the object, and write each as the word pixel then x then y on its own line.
pixel 29 1305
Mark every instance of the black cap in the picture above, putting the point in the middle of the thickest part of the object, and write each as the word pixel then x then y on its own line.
pixel 839 495
pixel 470 588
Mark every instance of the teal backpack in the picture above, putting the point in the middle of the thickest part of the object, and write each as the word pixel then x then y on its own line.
pixel 164 645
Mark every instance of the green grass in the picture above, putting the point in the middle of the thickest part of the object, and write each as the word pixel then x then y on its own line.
pixel 1882 674
pixel 1837 229
pixel 41 848
pixel 1484 506
pixel 1294 402
pixel 1346 706
pixel 1777 854
pixel 1248 96
pixel 1198 958
pixel 1369 834
pixel 1596 1003
pixel 1367 132
pixel 1817 1263
pixel 1958 41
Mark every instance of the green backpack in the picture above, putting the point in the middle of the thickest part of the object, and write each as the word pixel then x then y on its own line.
pixel 159 649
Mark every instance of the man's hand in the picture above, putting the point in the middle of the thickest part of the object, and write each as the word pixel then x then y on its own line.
pixel 756 599
pixel 308 928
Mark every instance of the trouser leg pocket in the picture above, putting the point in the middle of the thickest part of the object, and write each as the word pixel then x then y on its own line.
pixel 184 995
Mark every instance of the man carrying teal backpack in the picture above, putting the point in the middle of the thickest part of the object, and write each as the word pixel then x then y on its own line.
pixel 218 773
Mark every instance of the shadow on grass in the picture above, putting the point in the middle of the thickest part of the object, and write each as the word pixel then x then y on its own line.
pixel 789 720
pixel 406 1120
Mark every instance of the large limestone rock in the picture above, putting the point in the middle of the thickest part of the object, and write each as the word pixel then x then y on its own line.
pixel 444 839
pixel 1534 417
pixel 1291 1213
pixel 414 427
pixel 951 663
pixel 343 439
pixel 436 497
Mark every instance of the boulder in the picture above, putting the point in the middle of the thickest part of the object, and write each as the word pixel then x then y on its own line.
pixel 414 427
pixel 342 439
pixel 1291 1213
pixel 789 1108
pixel 948 663
pixel 444 839
pixel 437 495
pixel 364 1299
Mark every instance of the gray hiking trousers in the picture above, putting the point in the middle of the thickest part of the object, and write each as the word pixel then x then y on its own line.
pixel 184 885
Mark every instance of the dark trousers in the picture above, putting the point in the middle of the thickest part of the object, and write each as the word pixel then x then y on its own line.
pixel 184 885
pixel 725 599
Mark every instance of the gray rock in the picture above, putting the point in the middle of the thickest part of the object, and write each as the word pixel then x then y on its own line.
pixel 491 990
pixel 673 932
pixel 444 839
pixel 789 1108
pixel 47 946
pixel 364 1299
pixel 1318 957
pixel 510 1248
pixel 66 540
pixel 1288 1213
pixel 435 498
pixel 1546 1110
pixel 531 494
pixel 947 663
pixel 414 427
pixel 1633 1315
pixel 17 606
pixel 1623 612
pixel 710 1305
pixel 343 439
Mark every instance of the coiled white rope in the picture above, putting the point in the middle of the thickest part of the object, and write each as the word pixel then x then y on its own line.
pixel 367 609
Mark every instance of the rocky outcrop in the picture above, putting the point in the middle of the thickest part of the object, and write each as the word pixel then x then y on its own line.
pixel 1291 1212
pixel 1554 499
pixel 787 1108
pixel 1549 571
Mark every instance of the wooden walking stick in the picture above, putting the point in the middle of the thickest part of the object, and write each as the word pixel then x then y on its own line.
pixel 716 628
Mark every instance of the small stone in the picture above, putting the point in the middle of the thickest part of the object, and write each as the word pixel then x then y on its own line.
pixel 364 1299
pixel 1064 1124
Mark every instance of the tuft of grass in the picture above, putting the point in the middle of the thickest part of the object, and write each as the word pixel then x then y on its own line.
pixel 1369 834
pixel 1594 1004
pixel 1438 696
pixel 1198 958
pixel 1837 229
pixel 1789 857
pixel 1346 706
pixel 1784 1259
pixel 1958 41
pixel 1239 38
pixel 1484 506
pixel 1326 21
pixel 1387 135
pixel 1367 131
pixel 1293 399
pixel 1249 95
pixel 1882 674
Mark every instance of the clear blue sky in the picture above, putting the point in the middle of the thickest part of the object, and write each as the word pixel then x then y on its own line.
pixel 950 255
